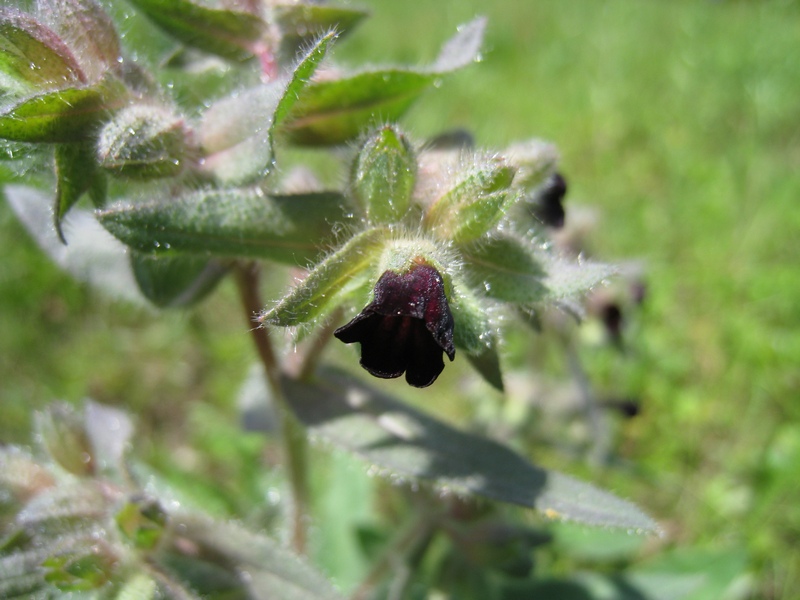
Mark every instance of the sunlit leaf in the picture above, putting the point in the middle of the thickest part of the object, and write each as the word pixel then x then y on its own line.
pixel 237 132
pixel 310 297
pixel 300 23
pixel 335 110
pixel 291 229
pixel 230 34
pixel 405 443
pixel 32 55
pixel 506 269
pixel 67 115
pixel 87 29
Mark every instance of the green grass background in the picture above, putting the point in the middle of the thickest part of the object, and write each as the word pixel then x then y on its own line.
pixel 680 122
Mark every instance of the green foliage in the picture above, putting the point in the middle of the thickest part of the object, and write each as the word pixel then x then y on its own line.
pixel 677 196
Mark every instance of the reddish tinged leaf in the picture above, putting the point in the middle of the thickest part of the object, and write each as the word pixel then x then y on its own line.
pixel 33 55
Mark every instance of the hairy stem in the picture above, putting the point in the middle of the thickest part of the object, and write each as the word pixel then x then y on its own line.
pixel 295 443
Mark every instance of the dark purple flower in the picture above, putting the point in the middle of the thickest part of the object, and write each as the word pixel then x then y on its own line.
pixel 406 328
pixel 549 208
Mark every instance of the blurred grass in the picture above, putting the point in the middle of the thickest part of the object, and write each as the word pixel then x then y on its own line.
pixel 680 122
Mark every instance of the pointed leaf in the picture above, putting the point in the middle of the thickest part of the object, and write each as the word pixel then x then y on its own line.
pixel 383 175
pixel 61 432
pixel 230 34
pixel 271 572
pixel 236 222
pixel 21 575
pixel 173 281
pixel 463 48
pixel 76 172
pixel 300 23
pixel 87 29
pixel 506 269
pixel 333 111
pixel 568 278
pixel 487 364
pixel 312 295
pixel 237 132
pixel 475 204
pixel 67 115
pixel 33 55
pixel 535 160
pixel 144 142
pixel 406 443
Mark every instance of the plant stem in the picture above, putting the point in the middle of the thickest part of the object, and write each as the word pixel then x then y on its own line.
pixel 295 444
pixel 402 553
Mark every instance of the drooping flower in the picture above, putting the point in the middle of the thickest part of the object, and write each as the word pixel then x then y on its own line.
pixel 406 328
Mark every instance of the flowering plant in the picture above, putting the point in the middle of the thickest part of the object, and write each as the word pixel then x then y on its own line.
pixel 438 244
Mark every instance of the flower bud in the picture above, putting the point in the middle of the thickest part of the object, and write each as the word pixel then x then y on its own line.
pixel 406 328
pixel 383 175
pixel 143 142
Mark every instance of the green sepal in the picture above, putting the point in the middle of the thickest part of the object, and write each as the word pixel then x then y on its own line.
pixel 505 268
pixel 383 175
pixel 76 173
pixel 487 364
pixel 88 30
pixel 143 142
pixel 311 297
pixel 62 434
pixel 474 205
pixel 68 115
pixel 236 133
pixel 142 522
pixel 173 281
pixel 334 111
pixel 230 34
pixel 290 229
pixel 301 23
pixel 33 56
pixel 535 160
pixel 83 569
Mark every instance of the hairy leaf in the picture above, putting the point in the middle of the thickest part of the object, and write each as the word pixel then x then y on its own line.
pixel 311 296
pixel 67 115
pixel 334 110
pixel 76 172
pixel 506 269
pixel 290 229
pixel 230 34
pixel 173 281
pixel 406 443
pixel 32 55
pixel 300 23
pixel 88 30
pixel 237 132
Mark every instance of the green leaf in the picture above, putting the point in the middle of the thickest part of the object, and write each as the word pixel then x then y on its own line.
pixel 67 115
pixel 314 294
pixel 230 34
pixel 475 204
pixel 569 278
pixel 290 229
pixel 272 573
pixel 301 23
pixel 406 443
pixel 21 575
pixel 506 269
pixel 173 281
pixel 143 142
pixel 63 436
pixel 237 132
pixel 32 55
pixel 333 111
pixel 88 30
pixel 383 175
pixel 139 586
pixel 76 172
